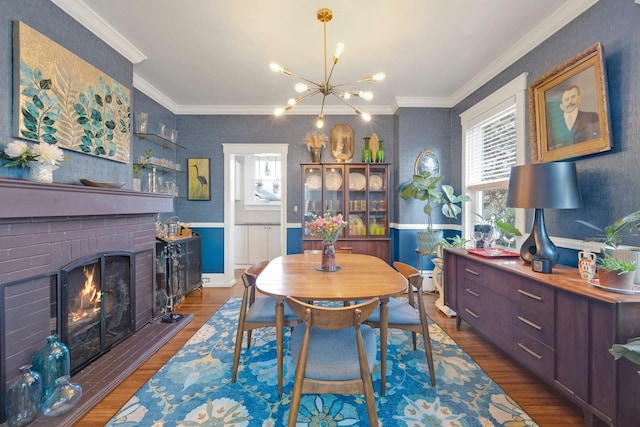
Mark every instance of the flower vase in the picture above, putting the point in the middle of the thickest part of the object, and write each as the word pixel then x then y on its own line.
pixel 41 172
pixel 52 362
pixel 380 153
pixel 23 398
pixel 367 154
pixel 316 154
pixel 329 257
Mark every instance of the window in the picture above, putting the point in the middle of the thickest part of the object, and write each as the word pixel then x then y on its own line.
pixel 262 180
pixel 493 140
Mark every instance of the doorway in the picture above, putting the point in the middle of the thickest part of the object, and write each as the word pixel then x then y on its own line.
pixel 232 152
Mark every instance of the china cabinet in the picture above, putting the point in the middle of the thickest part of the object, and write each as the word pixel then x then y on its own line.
pixel 358 191
pixel 160 169
pixel 557 325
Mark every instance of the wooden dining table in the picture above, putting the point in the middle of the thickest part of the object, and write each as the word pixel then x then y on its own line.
pixel 360 277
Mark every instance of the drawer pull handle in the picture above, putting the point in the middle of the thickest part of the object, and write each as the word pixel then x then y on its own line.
pixel 528 350
pixel 470 271
pixel 469 291
pixel 530 323
pixel 472 313
pixel 530 295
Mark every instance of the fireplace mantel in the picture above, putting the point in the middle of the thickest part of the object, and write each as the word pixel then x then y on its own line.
pixel 26 199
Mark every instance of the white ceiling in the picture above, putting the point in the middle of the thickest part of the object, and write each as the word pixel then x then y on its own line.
pixel 212 56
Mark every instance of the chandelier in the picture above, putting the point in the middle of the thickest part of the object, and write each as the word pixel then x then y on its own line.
pixel 311 88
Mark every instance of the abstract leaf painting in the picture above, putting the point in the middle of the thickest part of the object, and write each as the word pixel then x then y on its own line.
pixel 61 99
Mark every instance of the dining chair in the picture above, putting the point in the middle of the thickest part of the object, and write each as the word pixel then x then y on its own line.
pixel 346 368
pixel 403 315
pixel 256 312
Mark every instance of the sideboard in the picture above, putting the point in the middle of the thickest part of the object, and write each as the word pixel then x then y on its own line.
pixel 556 325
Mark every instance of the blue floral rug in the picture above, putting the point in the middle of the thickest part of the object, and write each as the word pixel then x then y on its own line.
pixel 194 388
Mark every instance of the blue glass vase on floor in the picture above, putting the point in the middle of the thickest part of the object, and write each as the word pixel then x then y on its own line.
pixel 64 397
pixel 52 362
pixel 23 398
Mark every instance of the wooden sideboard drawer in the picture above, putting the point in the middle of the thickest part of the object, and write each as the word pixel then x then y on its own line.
pixel 533 295
pixel 539 326
pixel 484 308
pixel 534 354
pixel 474 272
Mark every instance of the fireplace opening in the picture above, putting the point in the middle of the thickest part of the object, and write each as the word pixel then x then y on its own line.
pixel 96 305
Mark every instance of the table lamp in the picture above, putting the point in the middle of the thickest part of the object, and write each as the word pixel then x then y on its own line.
pixel 537 186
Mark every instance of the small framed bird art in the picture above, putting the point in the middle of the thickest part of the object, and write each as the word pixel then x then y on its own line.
pixel 199 179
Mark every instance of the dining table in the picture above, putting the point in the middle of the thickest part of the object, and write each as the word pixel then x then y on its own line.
pixel 359 277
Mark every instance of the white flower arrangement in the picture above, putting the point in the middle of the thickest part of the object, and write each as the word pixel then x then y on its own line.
pixel 20 154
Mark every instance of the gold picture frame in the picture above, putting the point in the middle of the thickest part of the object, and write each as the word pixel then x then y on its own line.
pixel 573 94
pixel 199 179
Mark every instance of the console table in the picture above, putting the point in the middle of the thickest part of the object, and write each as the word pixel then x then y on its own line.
pixel 556 325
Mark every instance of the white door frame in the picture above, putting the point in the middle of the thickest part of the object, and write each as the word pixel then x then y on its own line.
pixel 230 151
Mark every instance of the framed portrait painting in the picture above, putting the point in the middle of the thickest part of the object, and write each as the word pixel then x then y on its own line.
pixel 199 179
pixel 568 109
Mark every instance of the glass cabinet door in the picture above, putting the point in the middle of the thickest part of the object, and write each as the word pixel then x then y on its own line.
pixel 357 201
pixel 334 190
pixel 312 185
pixel 378 218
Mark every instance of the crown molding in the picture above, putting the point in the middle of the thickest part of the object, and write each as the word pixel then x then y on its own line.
pixel 78 10
pixel 82 13
pixel 148 89
pixel 417 102
pixel 565 14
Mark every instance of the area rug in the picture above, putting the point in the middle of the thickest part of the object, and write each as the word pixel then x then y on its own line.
pixel 194 388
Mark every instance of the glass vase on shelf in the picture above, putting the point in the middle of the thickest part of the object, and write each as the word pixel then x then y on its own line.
pixel 380 153
pixel 52 362
pixel 367 154
pixel 23 398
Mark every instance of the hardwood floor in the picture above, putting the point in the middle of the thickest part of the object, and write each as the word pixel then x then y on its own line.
pixel 546 406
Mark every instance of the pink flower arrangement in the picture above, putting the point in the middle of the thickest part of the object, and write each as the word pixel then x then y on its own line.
pixel 328 227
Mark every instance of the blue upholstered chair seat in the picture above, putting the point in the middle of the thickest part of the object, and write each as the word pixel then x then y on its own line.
pixel 400 312
pixel 263 310
pixel 329 361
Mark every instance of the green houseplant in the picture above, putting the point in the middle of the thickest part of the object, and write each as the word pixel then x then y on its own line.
pixel 424 187
pixel 611 237
pixel 630 350
pixel 615 272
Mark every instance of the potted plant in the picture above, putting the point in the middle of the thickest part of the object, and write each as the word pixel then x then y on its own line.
pixel 615 272
pixel 424 187
pixel 611 237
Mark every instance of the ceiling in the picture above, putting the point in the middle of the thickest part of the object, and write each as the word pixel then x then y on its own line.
pixel 213 56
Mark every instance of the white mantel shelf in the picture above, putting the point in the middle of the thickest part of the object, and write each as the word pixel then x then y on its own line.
pixel 27 199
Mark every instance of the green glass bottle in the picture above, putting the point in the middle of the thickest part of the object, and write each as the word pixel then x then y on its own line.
pixel 367 155
pixel 380 153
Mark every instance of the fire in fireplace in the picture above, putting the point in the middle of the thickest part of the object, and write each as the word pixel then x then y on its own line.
pixel 96 303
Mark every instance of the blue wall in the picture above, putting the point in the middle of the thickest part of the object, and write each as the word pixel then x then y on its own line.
pixel 49 20
pixel 608 180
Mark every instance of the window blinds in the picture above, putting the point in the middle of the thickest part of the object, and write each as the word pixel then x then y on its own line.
pixel 491 150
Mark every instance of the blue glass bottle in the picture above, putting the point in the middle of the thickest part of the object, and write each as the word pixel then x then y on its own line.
pixel 52 362
pixel 64 397
pixel 23 398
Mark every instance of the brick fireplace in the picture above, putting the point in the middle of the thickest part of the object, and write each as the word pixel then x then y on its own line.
pixel 45 227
